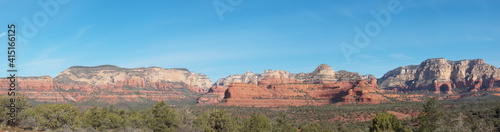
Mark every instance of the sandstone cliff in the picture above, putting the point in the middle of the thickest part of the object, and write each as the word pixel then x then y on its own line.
pixel 323 73
pixel 112 84
pixel 441 75
pixel 40 89
pixel 282 88
pixel 90 78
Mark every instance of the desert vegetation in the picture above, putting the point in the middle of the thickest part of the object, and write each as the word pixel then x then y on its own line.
pixel 432 115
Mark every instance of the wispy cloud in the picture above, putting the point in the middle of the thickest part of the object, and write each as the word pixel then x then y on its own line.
pixel 3 34
pixel 45 62
pixel 82 31
pixel 346 12
pixel 399 56
pixel 313 16
pixel 369 57
pixel 479 38
pixel 46 59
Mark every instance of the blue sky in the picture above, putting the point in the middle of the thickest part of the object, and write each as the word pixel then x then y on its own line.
pixel 255 35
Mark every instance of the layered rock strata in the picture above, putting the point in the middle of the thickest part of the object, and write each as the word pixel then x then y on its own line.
pixel 282 88
pixel 111 84
pixel 442 76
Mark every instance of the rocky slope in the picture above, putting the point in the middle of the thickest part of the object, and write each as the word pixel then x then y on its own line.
pixel 441 75
pixel 282 88
pixel 111 84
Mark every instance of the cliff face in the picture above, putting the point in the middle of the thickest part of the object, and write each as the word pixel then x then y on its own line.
pixel 95 78
pixel 323 73
pixel 38 88
pixel 441 75
pixel 282 88
pixel 111 84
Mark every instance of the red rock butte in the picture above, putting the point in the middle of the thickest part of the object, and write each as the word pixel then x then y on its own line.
pixel 281 88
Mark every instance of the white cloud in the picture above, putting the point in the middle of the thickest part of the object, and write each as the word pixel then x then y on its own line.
pixel 399 56
pixel 3 34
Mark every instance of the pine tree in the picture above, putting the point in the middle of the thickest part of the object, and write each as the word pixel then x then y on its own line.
pixel 216 121
pixel 432 116
pixel 311 127
pixel 54 116
pixel 136 119
pixel 163 118
pixel 283 124
pixel 92 118
pixel 258 123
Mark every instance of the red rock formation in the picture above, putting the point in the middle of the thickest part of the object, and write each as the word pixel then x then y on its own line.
pixel 242 94
pixel 441 75
pixel 282 82
pixel 38 88
pixel 215 95
pixel 44 83
pixel 281 88
pixel 298 94
pixel 363 92
pixel 111 84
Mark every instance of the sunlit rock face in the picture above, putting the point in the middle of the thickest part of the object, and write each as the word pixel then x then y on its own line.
pixel 282 88
pixel 112 84
pixel 441 75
